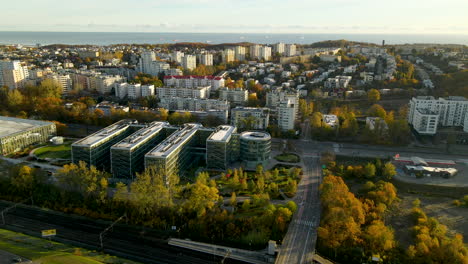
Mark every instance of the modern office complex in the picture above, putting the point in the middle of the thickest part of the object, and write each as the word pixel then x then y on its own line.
pixel 173 155
pixel 427 113
pixel 17 133
pixel 127 156
pixel 222 147
pixel 95 148
pixel 255 148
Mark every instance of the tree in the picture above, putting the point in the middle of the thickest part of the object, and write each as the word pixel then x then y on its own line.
pixel 379 238
pixel 15 100
pixel 377 111
pixel 373 96
pixel 369 170
pixel 23 179
pixel 233 200
pixel 388 171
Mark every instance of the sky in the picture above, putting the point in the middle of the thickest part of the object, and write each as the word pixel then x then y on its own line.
pixel 238 16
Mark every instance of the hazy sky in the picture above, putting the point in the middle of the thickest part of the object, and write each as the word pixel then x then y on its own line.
pixel 242 16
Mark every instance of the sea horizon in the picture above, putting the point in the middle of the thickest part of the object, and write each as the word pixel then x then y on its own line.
pixel 30 38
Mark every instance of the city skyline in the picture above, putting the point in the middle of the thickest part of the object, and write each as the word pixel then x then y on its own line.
pixel 337 16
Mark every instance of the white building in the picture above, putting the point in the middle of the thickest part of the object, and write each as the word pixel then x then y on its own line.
pixel 373 122
pixel 255 52
pixel 279 48
pixel 206 59
pixel 104 84
pixel 65 82
pixel 228 55
pixel 239 53
pixel 193 104
pixel 338 82
pixel 265 53
pixel 193 92
pixel 290 50
pixel 331 120
pixel 202 115
pixel 191 81
pixel 241 116
pixel 177 56
pixel 149 65
pixel 189 62
pixel 278 94
pixel 147 90
pixel 237 96
pixel 425 110
pixel 134 91
pixel 286 115
pixel 12 74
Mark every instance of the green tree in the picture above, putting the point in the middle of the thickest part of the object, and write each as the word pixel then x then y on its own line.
pixel 377 111
pixel 388 171
pixel 369 170
pixel 373 96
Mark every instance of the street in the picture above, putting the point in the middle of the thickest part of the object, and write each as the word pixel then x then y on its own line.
pixel 299 243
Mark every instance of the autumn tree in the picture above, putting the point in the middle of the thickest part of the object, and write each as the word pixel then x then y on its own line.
pixel 373 96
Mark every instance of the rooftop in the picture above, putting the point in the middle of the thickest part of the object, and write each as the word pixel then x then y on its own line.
pixel 222 133
pixel 254 135
pixel 104 133
pixel 178 138
pixel 11 125
pixel 140 136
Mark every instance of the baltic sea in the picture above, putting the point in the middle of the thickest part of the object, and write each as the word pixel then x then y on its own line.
pixel 108 38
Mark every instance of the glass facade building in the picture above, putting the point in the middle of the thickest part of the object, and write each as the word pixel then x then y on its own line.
pixel 95 148
pixel 255 148
pixel 175 154
pixel 127 156
pixel 222 147
pixel 17 133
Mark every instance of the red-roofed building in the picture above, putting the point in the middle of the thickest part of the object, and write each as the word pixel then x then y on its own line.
pixel 191 81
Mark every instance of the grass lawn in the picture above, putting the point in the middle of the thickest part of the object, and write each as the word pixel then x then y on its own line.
pixel 45 252
pixel 54 151
pixel 288 157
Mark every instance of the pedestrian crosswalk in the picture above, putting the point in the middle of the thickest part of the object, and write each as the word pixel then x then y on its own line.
pixel 306 223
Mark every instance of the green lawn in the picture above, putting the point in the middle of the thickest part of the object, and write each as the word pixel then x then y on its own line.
pixel 288 157
pixel 54 151
pixel 45 252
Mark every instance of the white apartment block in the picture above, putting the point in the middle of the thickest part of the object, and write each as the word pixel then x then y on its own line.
pixel 177 56
pixel 65 82
pixel 134 91
pixel 338 82
pixel 194 92
pixel 239 53
pixel 147 90
pixel 265 53
pixel 121 90
pixel 255 51
pixel 286 115
pixel 12 74
pixel 146 58
pixel 228 55
pixel 191 81
pixel 279 48
pixel 174 72
pixel 206 59
pixel 261 117
pixel 290 50
pixel 237 96
pixel 104 84
pixel 277 95
pixel 193 104
pixel 425 110
pixel 189 62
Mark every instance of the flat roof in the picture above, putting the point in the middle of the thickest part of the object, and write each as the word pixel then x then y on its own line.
pixel 178 138
pixel 12 125
pixel 255 135
pixel 104 133
pixel 140 136
pixel 222 133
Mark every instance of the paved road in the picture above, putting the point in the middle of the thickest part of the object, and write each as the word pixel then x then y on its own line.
pixel 8 258
pixel 299 243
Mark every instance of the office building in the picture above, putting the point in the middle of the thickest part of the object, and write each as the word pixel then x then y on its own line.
pixel 192 92
pixel 173 156
pixel 222 147
pixel 17 134
pixel 237 96
pixel 255 148
pixel 95 148
pixel 127 156
pixel 206 59
pixel 250 117
pixel 427 113
pixel 189 62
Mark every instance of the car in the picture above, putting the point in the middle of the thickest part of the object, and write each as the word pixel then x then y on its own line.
pixel 17 260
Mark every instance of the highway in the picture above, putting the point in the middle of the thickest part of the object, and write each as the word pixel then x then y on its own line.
pixel 133 243
pixel 299 243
